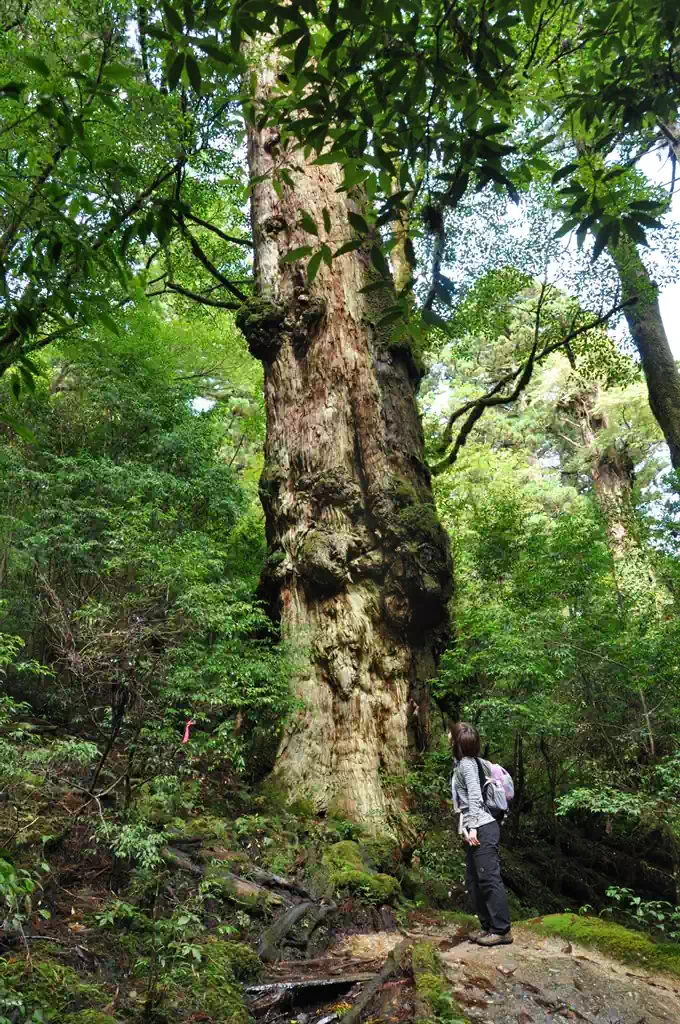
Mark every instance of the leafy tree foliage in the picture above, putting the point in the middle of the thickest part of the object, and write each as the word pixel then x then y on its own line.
pixel 125 531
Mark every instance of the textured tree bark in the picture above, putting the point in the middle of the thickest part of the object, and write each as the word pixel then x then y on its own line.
pixel 613 473
pixel 649 335
pixel 359 567
pixel 612 470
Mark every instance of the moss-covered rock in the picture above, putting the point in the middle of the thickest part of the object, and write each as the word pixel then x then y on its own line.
pixel 343 856
pixel 215 987
pixel 425 889
pixel 90 1017
pixel 231 959
pixel 348 869
pixel 434 1000
pixel 48 986
pixel 619 942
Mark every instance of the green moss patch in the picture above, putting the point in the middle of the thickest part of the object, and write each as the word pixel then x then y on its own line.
pixel 48 986
pixel 621 943
pixel 432 990
pixel 348 869
pixel 90 1017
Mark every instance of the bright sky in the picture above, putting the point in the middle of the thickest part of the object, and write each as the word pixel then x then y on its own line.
pixel 669 300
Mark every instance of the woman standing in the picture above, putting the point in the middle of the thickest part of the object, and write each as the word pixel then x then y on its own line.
pixel 481 834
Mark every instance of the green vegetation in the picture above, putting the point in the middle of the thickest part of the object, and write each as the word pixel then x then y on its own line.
pixel 172 627
pixel 46 984
pixel 432 990
pixel 621 943
pixel 349 870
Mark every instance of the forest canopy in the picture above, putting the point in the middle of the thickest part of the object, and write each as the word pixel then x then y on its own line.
pixel 336 404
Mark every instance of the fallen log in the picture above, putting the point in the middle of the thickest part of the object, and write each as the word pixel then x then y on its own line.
pixel 391 967
pixel 285 994
pixel 179 859
pixel 277 882
pixel 272 938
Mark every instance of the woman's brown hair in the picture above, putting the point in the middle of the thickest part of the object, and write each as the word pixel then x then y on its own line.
pixel 465 740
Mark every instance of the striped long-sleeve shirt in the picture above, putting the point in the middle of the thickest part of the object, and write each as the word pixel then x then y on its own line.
pixel 467 793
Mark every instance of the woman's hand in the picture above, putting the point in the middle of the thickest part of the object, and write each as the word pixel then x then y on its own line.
pixel 470 837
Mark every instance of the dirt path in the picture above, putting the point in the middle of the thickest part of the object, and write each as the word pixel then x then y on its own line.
pixel 541 981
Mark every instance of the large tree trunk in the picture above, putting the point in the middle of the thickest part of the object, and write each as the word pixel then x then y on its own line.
pixel 359 567
pixel 649 335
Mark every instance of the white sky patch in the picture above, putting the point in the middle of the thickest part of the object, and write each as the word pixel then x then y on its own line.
pixel 658 169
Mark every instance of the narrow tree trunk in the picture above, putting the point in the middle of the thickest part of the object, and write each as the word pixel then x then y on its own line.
pixel 611 468
pixel 359 567
pixel 613 477
pixel 649 335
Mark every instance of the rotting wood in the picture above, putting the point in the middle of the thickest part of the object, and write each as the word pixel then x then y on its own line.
pixel 179 859
pixel 271 940
pixel 277 882
pixel 284 994
pixel 391 966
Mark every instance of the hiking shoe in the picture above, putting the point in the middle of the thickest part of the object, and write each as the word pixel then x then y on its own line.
pixel 492 939
pixel 481 933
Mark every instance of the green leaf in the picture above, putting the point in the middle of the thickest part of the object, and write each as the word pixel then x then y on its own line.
pixel 27 378
pixel 119 73
pixel 601 240
pixel 175 71
pixel 356 243
pixel 172 16
pixel 433 320
pixel 335 41
pixel 649 222
pixel 378 260
pixel 357 222
pixel 194 73
pixel 12 90
pixel 568 226
pixel 188 13
pixel 19 428
pixel 36 64
pixel 563 172
pixel 296 254
pixel 214 52
pixel 634 231
pixel 108 322
pixel 313 266
pixel 326 219
pixel 290 37
pixel 391 317
pixel 645 204
pixel 330 158
pixel 308 225
pixel 326 255
pixel 301 51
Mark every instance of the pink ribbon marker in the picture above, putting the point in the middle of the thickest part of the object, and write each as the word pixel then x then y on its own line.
pixel 186 730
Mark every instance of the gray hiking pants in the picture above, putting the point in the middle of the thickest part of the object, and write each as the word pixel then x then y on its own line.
pixel 483 880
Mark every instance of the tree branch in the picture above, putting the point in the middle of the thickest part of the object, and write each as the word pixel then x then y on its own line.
pixel 203 299
pixel 219 232
pixel 209 266
pixel 477 407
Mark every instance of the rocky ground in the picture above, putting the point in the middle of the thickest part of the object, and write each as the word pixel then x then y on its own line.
pixel 537 980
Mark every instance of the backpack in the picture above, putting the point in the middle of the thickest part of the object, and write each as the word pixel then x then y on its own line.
pixel 497 789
